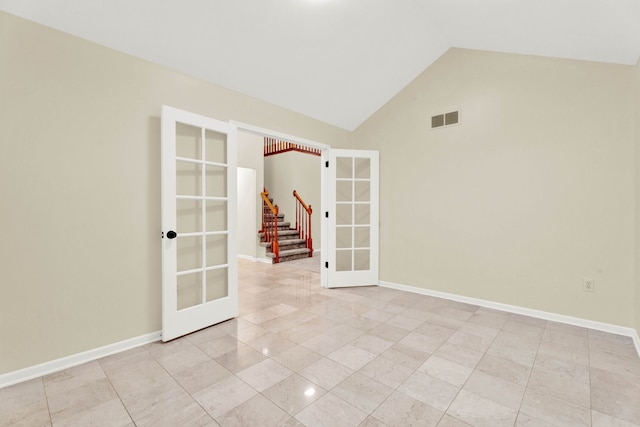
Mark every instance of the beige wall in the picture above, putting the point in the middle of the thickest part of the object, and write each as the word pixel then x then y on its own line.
pixel 533 191
pixel 80 187
pixel 250 155
pixel 290 171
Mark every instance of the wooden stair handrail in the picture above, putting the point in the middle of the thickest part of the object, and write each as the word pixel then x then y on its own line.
pixel 274 146
pixel 270 233
pixel 265 199
pixel 303 222
pixel 304 205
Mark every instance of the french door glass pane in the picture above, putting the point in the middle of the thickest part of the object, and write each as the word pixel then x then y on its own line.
pixel 216 215
pixel 188 141
pixel 217 284
pixel 363 168
pixel 215 147
pixel 216 181
pixel 189 252
pixel 189 290
pixel 343 237
pixel 344 214
pixel 344 167
pixel 189 216
pixel 362 237
pixel 361 259
pixel 343 259
pixel 344 191
pixel 188 179
pixel 362 191
pixel 216 250
pixel 362 214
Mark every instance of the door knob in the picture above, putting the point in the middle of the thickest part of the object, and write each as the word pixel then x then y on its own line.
pixel 171 234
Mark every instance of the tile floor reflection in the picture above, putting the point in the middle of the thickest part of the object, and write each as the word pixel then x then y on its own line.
pixel 300 355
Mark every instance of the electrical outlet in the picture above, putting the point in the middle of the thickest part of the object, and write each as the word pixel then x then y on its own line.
pixel 589 285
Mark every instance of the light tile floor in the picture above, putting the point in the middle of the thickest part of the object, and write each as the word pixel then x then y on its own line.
pixel 302 355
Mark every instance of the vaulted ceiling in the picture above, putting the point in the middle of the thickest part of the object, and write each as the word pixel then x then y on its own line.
pixel 337 60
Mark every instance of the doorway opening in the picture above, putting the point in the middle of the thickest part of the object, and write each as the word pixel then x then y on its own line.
pixel 280 174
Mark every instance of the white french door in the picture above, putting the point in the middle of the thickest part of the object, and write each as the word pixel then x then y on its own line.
pixel 352 197
pixel 199 261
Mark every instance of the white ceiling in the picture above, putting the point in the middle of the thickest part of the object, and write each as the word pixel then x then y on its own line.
pixel 337 60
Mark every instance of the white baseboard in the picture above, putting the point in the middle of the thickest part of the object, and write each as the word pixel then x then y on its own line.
pixel 46 368
pixel 560 318
pixel 57 365
pixel 636 341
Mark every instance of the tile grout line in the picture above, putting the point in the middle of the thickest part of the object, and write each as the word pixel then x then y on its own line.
pixel 178 382
pixel 116 391
pixel 354 300
pixel 526 386
pixel 355 371
pixel 46 398
pixel 473 369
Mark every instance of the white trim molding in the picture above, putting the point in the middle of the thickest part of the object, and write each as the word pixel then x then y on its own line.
pixel 57 365
pixel 636 340
pixel 257 130
pixel 560 318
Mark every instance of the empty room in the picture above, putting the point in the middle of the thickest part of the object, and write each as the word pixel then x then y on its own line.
pixel 462 248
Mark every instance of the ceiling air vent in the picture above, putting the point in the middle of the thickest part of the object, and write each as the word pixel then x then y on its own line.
pixel 446 119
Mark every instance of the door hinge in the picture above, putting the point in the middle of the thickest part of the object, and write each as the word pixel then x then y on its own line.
pixel 162 235
pixel 326 164
pixel 326 264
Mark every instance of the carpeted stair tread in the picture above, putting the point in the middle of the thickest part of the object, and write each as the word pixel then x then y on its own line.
pixel 284 243
pixel 283 233
pixel 289 252
pixel 290 245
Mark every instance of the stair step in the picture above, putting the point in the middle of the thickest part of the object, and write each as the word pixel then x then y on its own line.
pixel 283 234
pixel 290 254
pixel 291 242
pixel 269 217
pixel 288 232
pixel 284 244
pixel 280 224
pixel 291 246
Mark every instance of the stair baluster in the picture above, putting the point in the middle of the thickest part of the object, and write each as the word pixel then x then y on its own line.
pixel 270 231
pixel 303 221
pixel 274 146
pixel 284 242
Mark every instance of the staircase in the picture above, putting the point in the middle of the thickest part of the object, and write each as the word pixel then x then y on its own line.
pixel 282 242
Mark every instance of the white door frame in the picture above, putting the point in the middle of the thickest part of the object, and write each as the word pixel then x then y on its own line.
pixel 324 156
